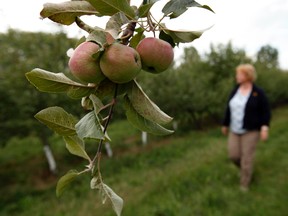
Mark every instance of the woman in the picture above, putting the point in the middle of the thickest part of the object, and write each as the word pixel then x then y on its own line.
pixel 246 119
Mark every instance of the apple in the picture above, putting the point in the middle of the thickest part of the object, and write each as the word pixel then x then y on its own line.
pixel 156 54
pixel 120 63
pixel 82 64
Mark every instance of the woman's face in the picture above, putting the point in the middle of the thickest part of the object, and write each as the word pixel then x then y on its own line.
pixel 241 77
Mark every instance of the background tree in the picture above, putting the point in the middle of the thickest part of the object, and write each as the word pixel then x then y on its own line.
pixel 270 76
pixel 21 51
pixel 267 56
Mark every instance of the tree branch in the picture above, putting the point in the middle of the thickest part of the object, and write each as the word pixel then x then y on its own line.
pixel 128 32
pixel 83 25
pixel 98 154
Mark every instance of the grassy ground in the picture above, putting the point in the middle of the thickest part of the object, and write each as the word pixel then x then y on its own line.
pixel 183 175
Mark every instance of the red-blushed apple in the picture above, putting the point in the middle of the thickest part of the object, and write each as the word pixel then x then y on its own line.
pixel 156 54
pixel 120 63
pixel 82 64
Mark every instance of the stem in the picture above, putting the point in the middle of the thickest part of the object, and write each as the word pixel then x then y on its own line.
pixel 158 23
pixel 106 106
pixel 84 171
pixel 109 115
pixel 98 167
pixel 83 25
pixel 150 22
pixel 98 154
pixel 128 32
pixel 140 23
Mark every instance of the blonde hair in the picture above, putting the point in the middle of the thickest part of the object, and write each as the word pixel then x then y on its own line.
pixel 248 70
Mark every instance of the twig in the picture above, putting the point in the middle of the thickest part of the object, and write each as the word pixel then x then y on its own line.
pixel 158 23
pixel 83 25
pixel 98 154
pixel 128 32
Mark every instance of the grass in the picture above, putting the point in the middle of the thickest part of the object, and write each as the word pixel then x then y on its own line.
pixel 183 175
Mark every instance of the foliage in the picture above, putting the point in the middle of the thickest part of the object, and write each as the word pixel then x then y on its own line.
pixel 21 51
pixel 273 80
pixel 267 56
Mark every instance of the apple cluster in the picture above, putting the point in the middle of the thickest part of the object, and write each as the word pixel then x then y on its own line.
pixel 120 63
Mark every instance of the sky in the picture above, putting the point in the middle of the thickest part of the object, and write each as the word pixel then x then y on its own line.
pixel 247 24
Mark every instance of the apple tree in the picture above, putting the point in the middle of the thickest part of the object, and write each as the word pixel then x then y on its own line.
pixel 105 65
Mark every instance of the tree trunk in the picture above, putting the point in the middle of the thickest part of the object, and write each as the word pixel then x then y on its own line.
pixel 49 155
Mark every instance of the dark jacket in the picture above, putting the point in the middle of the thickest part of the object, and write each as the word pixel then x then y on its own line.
pixel 257 110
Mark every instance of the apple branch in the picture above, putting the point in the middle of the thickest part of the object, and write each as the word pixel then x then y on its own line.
pixel 128 32
pixel 83 25
pixel 154 26
pixel 99 150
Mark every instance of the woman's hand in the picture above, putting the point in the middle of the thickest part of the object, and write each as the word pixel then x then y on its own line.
pixel 224 130
pixel 264 133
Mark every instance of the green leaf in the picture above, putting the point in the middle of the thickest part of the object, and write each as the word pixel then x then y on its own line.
pixel 101 37
pixel 89 127
pixel 76 147
pixel 207 8
pixel 111 7
pixel 93 102
pixel 107 192
pixel 95 183
pixel 79 41
pixel 145 8
pixel 107 88
pixel 182 36
pixel 145 107
pixel 175 8
pixel 141 123
pixel 97 103
pixel 46 81
pixel 65 181
pixel 117 201
pixel 86 103
pixel 66 12
pixel 57 119
pixel 167 38
pixel 136 39
pixel 115 23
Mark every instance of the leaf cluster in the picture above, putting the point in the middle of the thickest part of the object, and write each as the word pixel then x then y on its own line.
pixel 121 13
